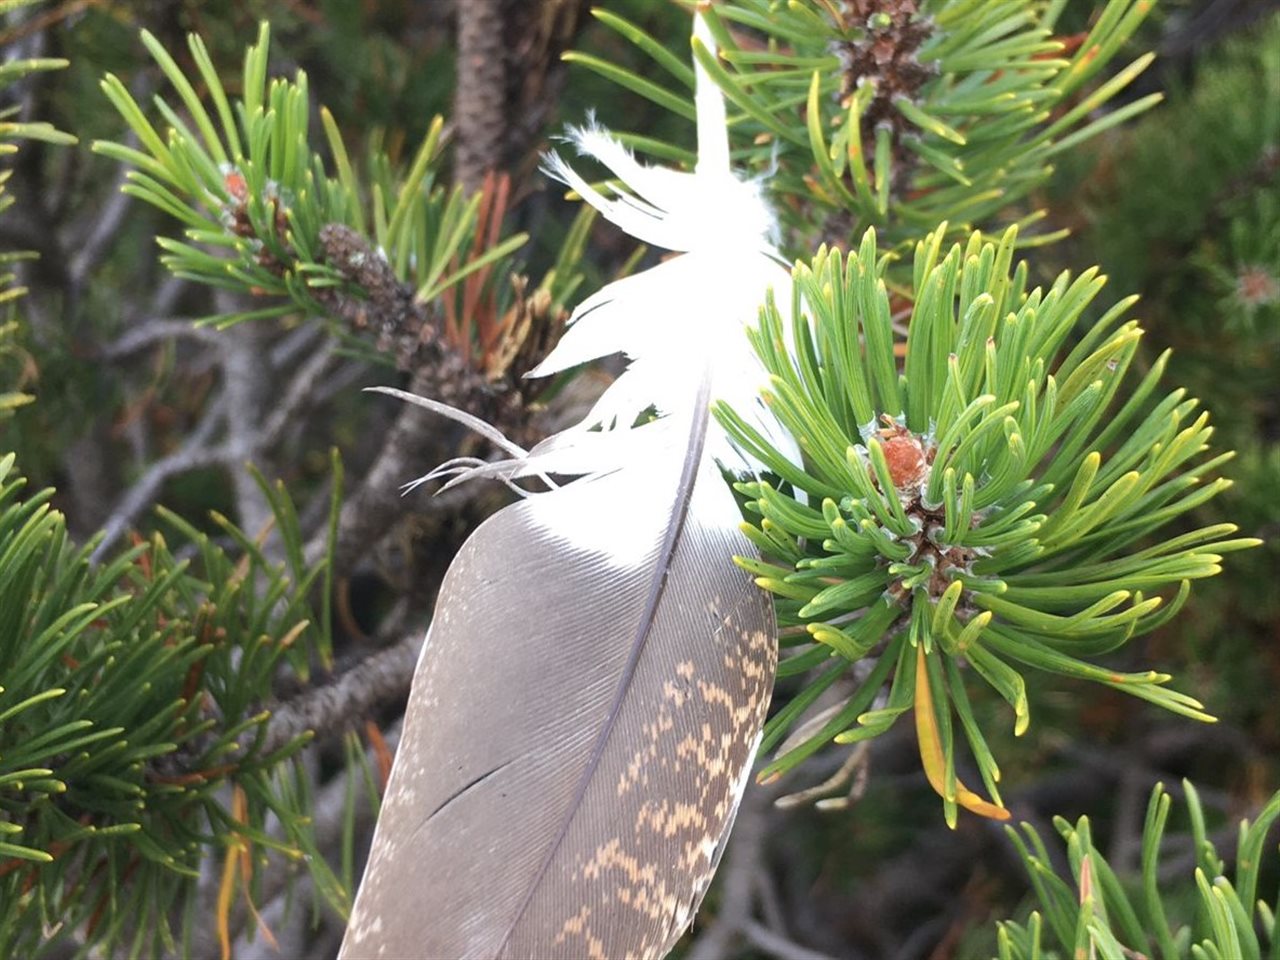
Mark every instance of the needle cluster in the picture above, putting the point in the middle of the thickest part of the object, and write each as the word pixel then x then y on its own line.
pixel 899 114
pixel 980 500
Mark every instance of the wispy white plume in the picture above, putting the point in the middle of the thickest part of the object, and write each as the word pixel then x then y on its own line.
pixel 679 323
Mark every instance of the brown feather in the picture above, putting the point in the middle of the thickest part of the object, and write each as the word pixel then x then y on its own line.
pixel 579 733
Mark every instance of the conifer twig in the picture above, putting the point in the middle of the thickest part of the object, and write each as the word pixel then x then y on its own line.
pixel 194 454
pixel 298 395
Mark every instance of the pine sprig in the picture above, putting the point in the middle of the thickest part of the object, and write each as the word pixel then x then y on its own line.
pixel 13 71
pixel 900 114
pixel 987 505
pixel 1093 912
pixel 260 204
pixel 10 133
pixel 133 723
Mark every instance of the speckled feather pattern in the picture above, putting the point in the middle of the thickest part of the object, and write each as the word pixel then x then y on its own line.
pixel 487 793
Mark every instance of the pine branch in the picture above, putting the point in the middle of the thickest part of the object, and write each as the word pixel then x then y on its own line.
pixel 262 207
pixel 959 513
pixel 898 113
pixel 403 326
pixel 130 696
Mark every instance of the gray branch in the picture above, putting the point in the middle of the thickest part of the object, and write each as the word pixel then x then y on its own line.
pixel 333 707
pixel 370 509
pixel 101 233
pixel 779 946
pixel 156 331
pixel 246 375
pixel 194 454
pixel 479 111
pixel 298 396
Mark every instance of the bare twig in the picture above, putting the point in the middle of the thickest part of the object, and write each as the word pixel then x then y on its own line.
pixel 1125 849
pixel 415 443
pixel 246 367
pixel 299 395
pixel 1141 763
pixel 770 903
pixel 246 376
pixel 341 381
pixel 194 454
pixel 166 296
pixel 296 343
pixel 742 861
pixel 155 331
pixel 101 231
pixel 926 935
pixel 779 946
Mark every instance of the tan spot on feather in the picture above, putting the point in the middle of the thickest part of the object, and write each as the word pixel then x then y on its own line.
pixel 578 926
pixel 574 925
pixel 673 693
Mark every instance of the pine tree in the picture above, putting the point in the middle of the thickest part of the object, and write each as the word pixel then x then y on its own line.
pixel 995 486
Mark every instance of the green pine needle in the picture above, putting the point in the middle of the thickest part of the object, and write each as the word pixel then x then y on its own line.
pixel 131 708
pixel 991 496
pixel 1092 912
pixel 913 116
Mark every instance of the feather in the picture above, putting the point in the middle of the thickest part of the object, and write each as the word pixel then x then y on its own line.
pixel 592 689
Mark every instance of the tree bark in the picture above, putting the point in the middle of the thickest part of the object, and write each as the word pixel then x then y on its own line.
pixel 509 74
pixel 479 112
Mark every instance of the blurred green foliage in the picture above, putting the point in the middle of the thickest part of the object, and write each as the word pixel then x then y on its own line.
pixel 1184 208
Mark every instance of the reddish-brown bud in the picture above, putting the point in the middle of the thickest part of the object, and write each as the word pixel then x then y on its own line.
pixel 905 456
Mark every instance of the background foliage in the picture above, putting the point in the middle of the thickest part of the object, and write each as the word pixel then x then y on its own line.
pixel 255 636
